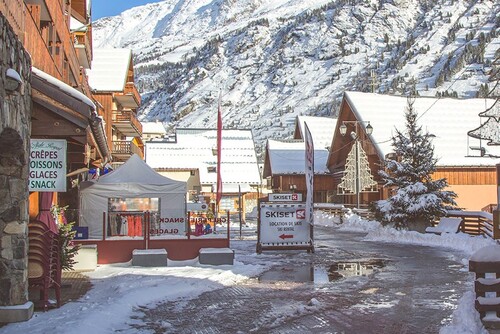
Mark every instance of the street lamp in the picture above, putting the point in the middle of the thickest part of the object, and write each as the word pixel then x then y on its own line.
pixel 355 136
pixel 343 127
pixel 13 81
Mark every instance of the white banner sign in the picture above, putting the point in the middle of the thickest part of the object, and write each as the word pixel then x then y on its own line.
pixel 284 224
pixel 47 165
pixel 309 171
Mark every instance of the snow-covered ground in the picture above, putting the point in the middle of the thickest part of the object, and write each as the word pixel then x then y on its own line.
pixel 118 288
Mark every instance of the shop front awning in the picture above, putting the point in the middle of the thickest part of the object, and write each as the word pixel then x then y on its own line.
pixel 65 112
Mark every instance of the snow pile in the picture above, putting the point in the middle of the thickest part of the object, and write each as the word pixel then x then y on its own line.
pixel 456 241
pixel 376 232
pixel 465 319
pixel 351 222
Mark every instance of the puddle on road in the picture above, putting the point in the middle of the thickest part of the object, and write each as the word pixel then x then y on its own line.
pixel 357 268
pixel 321 274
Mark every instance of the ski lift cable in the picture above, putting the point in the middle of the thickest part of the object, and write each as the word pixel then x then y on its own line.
pixel 439 97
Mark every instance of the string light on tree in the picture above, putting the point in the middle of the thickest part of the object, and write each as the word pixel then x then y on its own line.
pixel 357 177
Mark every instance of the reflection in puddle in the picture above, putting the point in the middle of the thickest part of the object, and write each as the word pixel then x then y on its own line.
pixel 356 268
pixel 321 274
pixel 369 291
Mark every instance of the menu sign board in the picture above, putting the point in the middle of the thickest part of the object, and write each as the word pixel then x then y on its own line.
pixel 47 165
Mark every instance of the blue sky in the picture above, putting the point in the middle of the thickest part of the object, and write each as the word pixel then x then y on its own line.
pixel 102 8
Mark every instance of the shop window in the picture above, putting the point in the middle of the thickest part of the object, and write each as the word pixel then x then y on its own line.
pixel 227 204
pixel 126 216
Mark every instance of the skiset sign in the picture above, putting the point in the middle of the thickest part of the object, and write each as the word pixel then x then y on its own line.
pixel 293 197
pixel 283 224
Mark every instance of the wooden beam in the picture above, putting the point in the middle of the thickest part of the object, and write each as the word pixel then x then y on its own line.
pixel 59 109
pixel 74 105
pixel 49 127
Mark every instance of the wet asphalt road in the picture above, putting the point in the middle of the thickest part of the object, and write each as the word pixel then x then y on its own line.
pixel 347 286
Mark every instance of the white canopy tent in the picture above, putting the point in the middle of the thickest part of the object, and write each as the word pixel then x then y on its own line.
pixel 134 179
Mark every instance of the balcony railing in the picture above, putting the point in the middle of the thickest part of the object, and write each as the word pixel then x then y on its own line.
pixel 130 98
pixel 83 48
pixel 123 149
pixel 127 123
pixel 130 88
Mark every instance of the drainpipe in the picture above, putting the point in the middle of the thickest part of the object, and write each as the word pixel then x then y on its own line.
pixel 97 127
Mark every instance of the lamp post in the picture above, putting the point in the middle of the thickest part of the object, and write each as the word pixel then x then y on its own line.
pixel 355 136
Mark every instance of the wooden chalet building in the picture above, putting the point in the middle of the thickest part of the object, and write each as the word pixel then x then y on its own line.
pixel 467 163
pixel 191 156
pixel 284 164
pixel 111 79
pixel 153 130
pixel 57 36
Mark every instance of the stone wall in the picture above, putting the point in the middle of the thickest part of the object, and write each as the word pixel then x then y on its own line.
pixel 15 129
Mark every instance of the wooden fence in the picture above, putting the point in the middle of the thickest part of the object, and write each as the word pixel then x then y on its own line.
pixel 477 223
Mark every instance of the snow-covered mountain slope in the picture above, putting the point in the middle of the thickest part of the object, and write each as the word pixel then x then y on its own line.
pixel 276 59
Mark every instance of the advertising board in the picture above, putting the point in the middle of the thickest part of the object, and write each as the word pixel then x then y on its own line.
pixel 292 197
pixel 47 165
pixel 283 226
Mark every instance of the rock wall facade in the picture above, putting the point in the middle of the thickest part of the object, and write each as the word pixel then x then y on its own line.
pixel 15 129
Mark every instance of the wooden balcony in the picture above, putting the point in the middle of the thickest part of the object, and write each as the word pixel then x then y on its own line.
pixel 130 98
pixel 44 21
pixel 123 149
pixel 83 48
pixel 127 123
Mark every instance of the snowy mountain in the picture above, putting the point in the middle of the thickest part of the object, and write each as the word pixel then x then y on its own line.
pixel 276 59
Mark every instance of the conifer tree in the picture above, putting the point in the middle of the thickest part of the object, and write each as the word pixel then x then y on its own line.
pixel 415 198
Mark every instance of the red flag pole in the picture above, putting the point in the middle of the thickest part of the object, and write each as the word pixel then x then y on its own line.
pixel 219 149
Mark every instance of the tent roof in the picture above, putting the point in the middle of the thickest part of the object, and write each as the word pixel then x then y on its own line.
pixel 135 170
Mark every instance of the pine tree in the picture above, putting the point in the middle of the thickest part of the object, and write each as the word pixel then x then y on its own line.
pixel 415 199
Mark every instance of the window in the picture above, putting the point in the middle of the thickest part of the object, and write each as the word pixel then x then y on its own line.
pixel 126 216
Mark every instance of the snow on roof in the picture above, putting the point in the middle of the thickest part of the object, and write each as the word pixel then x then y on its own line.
pixel 109 69
pixel 321 128
pixel 446 118
pixel 193 149
pixel 153 127
pixel 64 87
pixel 288 157
pixel 76 25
